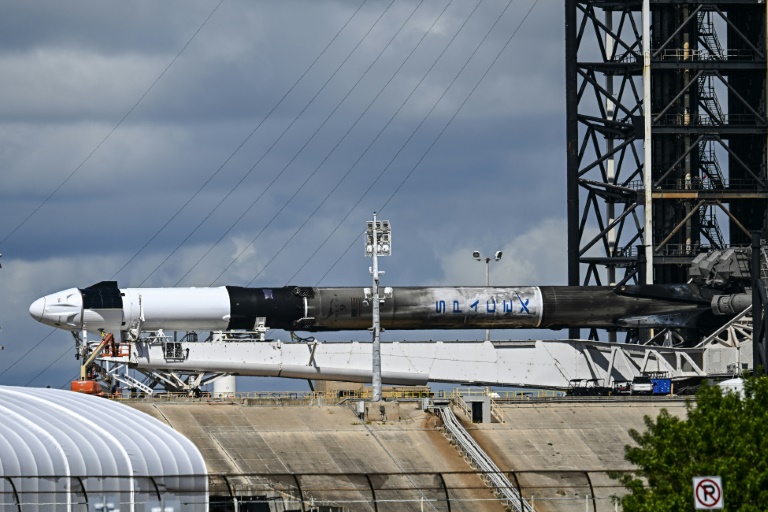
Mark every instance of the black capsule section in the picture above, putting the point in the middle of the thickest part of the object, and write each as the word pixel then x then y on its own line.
pixel 280 307
pixel 103 295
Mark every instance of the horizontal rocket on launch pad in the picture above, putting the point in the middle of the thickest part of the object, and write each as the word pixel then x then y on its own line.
pixel 104 306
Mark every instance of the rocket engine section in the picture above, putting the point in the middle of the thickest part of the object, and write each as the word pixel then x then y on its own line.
pixel 104 306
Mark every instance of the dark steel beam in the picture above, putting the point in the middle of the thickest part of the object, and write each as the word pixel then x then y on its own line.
pixel 725 130
pixel 572 141
pixel 605 131
pixel 709 65
pixel 672 36
pixel 758 306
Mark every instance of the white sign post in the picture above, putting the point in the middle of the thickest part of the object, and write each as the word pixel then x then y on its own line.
pixel 708 492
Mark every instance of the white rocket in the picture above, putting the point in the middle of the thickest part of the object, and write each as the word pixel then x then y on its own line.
pixel 104 306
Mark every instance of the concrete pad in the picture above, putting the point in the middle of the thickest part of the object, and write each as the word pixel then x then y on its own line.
pixel 321 444
pixel 560 451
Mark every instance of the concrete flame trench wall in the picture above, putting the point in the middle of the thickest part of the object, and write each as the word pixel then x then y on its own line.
pixel 546 437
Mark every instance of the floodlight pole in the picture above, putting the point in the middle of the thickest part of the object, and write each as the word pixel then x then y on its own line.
pixel 378 242
pixel 376 350
pixel 478 257
pixel 487 285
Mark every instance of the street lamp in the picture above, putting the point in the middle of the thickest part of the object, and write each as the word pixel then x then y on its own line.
pixel 478 257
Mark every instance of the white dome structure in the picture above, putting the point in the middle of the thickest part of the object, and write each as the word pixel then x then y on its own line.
pixel 61 450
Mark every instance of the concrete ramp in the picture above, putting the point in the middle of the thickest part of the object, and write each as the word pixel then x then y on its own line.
pixel 326 455
pixel 482 462
pixel 557 453
pixel 560 452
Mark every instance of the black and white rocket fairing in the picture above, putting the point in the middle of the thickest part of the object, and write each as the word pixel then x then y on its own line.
pixel 105 306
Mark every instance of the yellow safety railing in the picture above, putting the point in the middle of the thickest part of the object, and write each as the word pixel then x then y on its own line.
pixel 464 406
pixel 356 394
pixel 507 394
pixel 496 411
pixel 329 396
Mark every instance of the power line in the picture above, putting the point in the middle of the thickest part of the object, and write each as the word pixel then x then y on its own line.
pixel 439 135
pixel 25 354
pixel 120 122
pixel 428 150
pixel 372 142
pixel 349 130
pixel 217 171
pixel 391 161
pixel 237 149
pixel 477 84
pixel 68 382
pixel 450 121
pixel 279 174
pixel 370 145
pixel 66 351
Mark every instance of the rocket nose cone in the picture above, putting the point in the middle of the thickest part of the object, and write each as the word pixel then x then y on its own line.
pixel 37 309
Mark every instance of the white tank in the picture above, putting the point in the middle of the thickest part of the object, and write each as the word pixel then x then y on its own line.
pixel 225 386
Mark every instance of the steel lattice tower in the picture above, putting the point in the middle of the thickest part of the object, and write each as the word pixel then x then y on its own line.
pixel 705 81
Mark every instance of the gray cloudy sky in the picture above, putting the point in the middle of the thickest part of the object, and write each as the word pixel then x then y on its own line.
pixel 293 196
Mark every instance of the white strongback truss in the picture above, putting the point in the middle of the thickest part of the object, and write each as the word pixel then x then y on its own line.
pixel 535 363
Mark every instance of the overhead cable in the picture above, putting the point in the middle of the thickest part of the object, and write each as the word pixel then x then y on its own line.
pixel 25 354
pixel 66 351
pixel 402 147
pixel 237 149
pixel 279 174
pixel 216 172
pixel 376 138
pixel 314 171
pixel 101 143
pixel 345 135
pixel 450 121
pixel 109 134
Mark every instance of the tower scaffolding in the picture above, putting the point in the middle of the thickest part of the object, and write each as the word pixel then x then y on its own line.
pixel 707 152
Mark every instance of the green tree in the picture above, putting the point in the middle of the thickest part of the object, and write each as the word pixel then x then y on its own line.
pixel 724 435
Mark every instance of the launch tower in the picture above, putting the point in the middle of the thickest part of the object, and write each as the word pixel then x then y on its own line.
pixel 666 135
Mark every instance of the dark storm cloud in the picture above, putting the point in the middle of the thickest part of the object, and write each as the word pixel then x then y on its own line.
pixel 106 27
pixel 72 70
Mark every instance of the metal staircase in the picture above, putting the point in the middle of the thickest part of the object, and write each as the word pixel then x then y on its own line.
pixel 710 165
pixel 493 476
pixel 709 103
pixel 712 179
pixel 712 49
pixel 710 227
pixel 130 382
